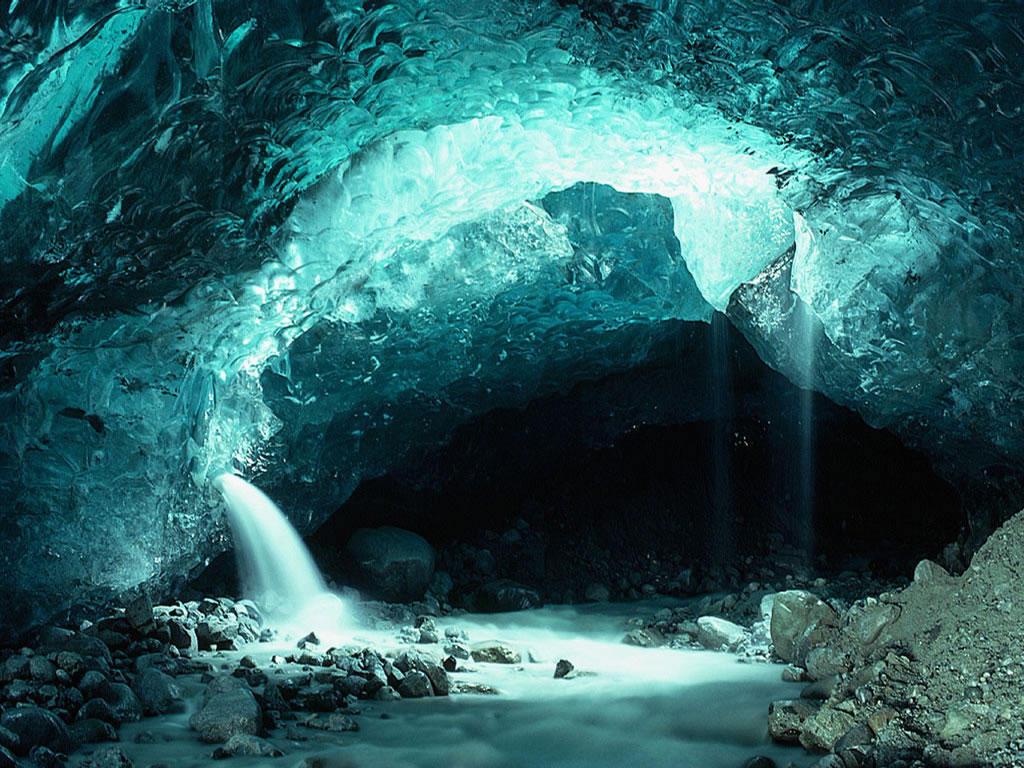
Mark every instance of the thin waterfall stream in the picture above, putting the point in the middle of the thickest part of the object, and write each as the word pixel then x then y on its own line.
pixel 278 571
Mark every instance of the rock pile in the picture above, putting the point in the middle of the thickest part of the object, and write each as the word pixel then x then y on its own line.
pixel 929 672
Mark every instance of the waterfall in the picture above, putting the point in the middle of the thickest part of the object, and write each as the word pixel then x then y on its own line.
pixel 278 571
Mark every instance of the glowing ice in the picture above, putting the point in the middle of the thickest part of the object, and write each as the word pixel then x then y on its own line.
pixel 279 571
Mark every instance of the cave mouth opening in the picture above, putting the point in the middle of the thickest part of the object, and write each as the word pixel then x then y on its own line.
pixel 698 491
pixel 677 460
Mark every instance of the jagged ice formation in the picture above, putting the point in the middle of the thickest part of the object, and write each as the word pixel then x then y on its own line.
pixel 300 240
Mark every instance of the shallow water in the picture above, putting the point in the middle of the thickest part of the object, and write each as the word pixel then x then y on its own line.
pixel 626 706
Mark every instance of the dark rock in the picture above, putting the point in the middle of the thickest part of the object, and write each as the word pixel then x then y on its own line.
pixel 93 684
pixel 824 662
pixel 92 731
pixel 109 757
pixel 797 615
pixel 504 595
pixel 820 689
pixel 821 731
pixel 98 709
pixel 18 668
pixel 9 740
pixel 411 660
pixel 415 685
pixel 645 638
pixel 786 718
pixel 157 693
pixel 217 632
pixel 57 639
pixel 387 693
pixel 44 757
pixel 390 563
pixel 139 614
pixel 563 668
pixel 597 593
pixel 493 652
pixel 858 736
pixel 334 722
pixel 246 745
pixel 229 707
pixel 72 663
pixel 450 663
pixel 36 727
pixel 124 701
pixel 183 636
pixel 7 759
pixel 759 762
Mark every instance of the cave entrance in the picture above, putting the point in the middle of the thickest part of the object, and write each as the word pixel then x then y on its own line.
pixel 680 475
pixel 626 436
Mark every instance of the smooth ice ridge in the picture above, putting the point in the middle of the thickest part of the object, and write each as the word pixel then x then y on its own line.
pixel 303 243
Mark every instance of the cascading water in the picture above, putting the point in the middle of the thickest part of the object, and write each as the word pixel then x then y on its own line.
pixel 278 571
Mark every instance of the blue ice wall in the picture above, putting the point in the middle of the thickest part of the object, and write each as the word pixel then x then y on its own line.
pixel 302 239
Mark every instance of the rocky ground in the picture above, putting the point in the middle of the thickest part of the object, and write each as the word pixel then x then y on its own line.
pixel 923 674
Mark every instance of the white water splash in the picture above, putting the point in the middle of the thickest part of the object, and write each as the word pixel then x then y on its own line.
pixel 278 570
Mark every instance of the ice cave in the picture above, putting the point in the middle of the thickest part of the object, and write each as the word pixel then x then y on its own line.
pixel 506 383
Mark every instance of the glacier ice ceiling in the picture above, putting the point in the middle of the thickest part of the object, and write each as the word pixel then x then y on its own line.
pixel 303 239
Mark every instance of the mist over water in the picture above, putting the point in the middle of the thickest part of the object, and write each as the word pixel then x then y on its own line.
pixel 278 572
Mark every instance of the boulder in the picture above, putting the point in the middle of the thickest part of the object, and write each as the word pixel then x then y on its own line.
pixel 229 708
pixel 493 652
pixel 98 709
pixel 36 727
pixel 718 634
pixel 183 636
pixel 92 731
pixel 786 718
pixel 798 623
pixel 109 757
pixel 410 660
pixel 139 614
pixel 821 731
pixel 390 563
pixel 563 668
pixel 42 669
pixel 825 662
pixel 217 631
pixel 644 638
pixel 9 740
pixel 334 722
pixel 504 595
pixel 124 701
pixel 246 745
pixel 415 685
pixel 156 691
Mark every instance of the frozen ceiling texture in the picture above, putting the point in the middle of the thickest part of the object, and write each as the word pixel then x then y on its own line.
pixel 302 239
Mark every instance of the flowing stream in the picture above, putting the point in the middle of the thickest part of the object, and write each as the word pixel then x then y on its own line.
pixel 278 571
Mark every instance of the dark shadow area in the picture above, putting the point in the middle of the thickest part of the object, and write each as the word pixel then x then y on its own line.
pixel 727 468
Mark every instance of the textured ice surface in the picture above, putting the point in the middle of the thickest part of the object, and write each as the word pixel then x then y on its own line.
pixel 300 240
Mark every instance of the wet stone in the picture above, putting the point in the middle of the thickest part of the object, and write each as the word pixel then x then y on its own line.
pixel 34 727
pixel 228 709
pixel 109 757
pixel 786 717
pixel 563 668
pixel 415 685
pixel 334 722
pixel 644 638
pixel 92 731
pixel 246 745
pixel 491 652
